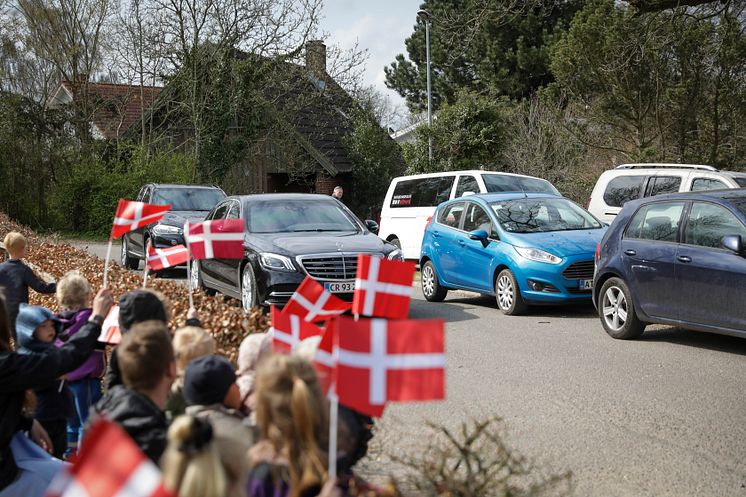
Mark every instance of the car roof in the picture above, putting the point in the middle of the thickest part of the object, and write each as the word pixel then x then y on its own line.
pixel 505 196
pixel 739 174
pixel 176 186
pixel 469 171
pixel 282 197
pixel 723 194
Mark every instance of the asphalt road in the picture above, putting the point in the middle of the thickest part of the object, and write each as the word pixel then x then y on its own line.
pixel 664 415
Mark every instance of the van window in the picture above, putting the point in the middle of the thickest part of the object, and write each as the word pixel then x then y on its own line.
pixel 704 184
pixel 658 222
pixel 422 192
pixel 496 183
pixel 622 189
pixel 467 184
pixel 658 185
pixel 451 215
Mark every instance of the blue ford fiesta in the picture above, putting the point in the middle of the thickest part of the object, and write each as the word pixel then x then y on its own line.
pixel 523 248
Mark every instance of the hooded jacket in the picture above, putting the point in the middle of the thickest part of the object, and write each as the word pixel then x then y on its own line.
pixel 72 322
pixel 138 416
pixel 16 278
pixel 19 373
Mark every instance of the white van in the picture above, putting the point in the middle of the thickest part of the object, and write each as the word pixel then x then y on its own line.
pixel 630 181
pixel 411 200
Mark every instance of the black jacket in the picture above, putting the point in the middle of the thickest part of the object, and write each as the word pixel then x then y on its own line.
pixel 16 278
pixel 19 373
pixel 138 416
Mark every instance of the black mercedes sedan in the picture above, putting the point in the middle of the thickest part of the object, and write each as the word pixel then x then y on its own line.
pixel 289 236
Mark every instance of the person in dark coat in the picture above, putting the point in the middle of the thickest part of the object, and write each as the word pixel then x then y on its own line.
pixel 37 331
pixel 16 278
pixel 20 373
pixel 148 368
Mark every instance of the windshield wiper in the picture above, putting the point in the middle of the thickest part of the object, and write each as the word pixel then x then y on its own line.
pixel 317 230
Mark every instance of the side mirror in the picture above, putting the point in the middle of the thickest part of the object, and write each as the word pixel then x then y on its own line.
pixel 372 226
pixel 734 243
pixel 480 235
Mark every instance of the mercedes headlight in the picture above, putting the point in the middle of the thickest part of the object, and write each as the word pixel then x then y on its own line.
pixel 165 229
pixel 276 262
pixel 534 254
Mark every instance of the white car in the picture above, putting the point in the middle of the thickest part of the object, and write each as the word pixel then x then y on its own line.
pixel 630 181
pixel 411 200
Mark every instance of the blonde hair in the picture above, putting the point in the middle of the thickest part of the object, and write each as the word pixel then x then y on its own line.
pixel 191 463
pixel 14 243
pixel 73 291
pixel 190 343
pixel 291 415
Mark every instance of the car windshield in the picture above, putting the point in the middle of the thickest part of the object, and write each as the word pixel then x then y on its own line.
pixel 297 216
pixel 538 215
pixel 188 199
pixel 497 183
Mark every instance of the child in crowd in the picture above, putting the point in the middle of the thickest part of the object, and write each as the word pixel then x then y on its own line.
pixel 16 277
pixel 211 393
pixel 36 333
pixel 191 464
pixel 291 414
pixel 190 342
pixel 74 297
pixel 146 362
pixel 253 348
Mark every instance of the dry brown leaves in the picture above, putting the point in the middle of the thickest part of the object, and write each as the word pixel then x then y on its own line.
pixel 223 317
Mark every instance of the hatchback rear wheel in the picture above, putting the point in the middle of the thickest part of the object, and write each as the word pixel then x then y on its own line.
pixel 617 310
pixel 508 295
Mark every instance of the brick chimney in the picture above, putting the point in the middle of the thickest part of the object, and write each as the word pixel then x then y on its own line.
pixel 316 58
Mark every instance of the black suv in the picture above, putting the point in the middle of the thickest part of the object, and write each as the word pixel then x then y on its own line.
pixel 188 203
pixel 676 259
pixel 289 236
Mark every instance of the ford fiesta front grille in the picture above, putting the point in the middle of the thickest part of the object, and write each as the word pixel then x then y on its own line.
pixel 334 267
pixel 582 270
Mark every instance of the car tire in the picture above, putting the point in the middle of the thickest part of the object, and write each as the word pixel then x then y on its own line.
pixel 196 278
pixel 431 287
pixel 248 288
pixel 508 294
pixel 617 310
pixel 124 258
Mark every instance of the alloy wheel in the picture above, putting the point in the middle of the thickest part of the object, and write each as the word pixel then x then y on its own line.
pixel 194 275
pixel 247 289
pixel 428 281
pixel 614 308
pixel 123 253
pixel 505 292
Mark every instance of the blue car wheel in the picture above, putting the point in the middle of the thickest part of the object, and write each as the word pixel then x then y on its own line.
pixel 508 294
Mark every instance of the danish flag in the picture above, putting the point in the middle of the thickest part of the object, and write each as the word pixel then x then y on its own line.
pixel 110 464
pixel 323 360
pixel 167 257
pixel 313 303
pixel 219 239
pixel 110 333
pixel 288 330
pixel 383 288
pixel 131 215
pixel 380 361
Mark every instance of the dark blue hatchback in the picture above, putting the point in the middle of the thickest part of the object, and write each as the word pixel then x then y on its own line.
pixel 676 259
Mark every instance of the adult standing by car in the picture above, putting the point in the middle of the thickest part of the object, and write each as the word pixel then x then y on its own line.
pixel 20 373
pixel 338 192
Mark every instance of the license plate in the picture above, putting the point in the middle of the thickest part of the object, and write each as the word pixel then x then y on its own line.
pixel 340 286
pixel 585 284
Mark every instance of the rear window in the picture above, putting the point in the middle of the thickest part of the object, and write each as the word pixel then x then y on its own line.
pixel 496 183
pixel 622 189
pixel 422 192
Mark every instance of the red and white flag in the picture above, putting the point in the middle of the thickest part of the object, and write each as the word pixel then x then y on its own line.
pixel 323 361
pixel 383 288
pixel 383 361
pixel 313 303
pixel 109 465
pixel 110 333
pixel 167 257
pixel 219 239
pixel 288 331
pixel 132 215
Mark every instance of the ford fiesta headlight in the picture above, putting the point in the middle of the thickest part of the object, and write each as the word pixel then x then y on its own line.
pixel 395 255
pixel 276 262
pixel 165 229
pixel 534 254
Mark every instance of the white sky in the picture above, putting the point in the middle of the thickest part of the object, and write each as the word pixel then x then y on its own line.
pixel 380 26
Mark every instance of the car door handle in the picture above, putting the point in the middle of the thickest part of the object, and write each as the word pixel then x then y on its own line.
pixel 462 243
pixel 436 233
pixel 630 252
pixel 684 258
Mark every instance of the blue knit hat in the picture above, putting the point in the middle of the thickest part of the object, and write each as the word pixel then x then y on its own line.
pixel 30 317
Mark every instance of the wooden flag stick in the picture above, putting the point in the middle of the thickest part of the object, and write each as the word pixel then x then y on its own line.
pixel 145 275
pixel 106 263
